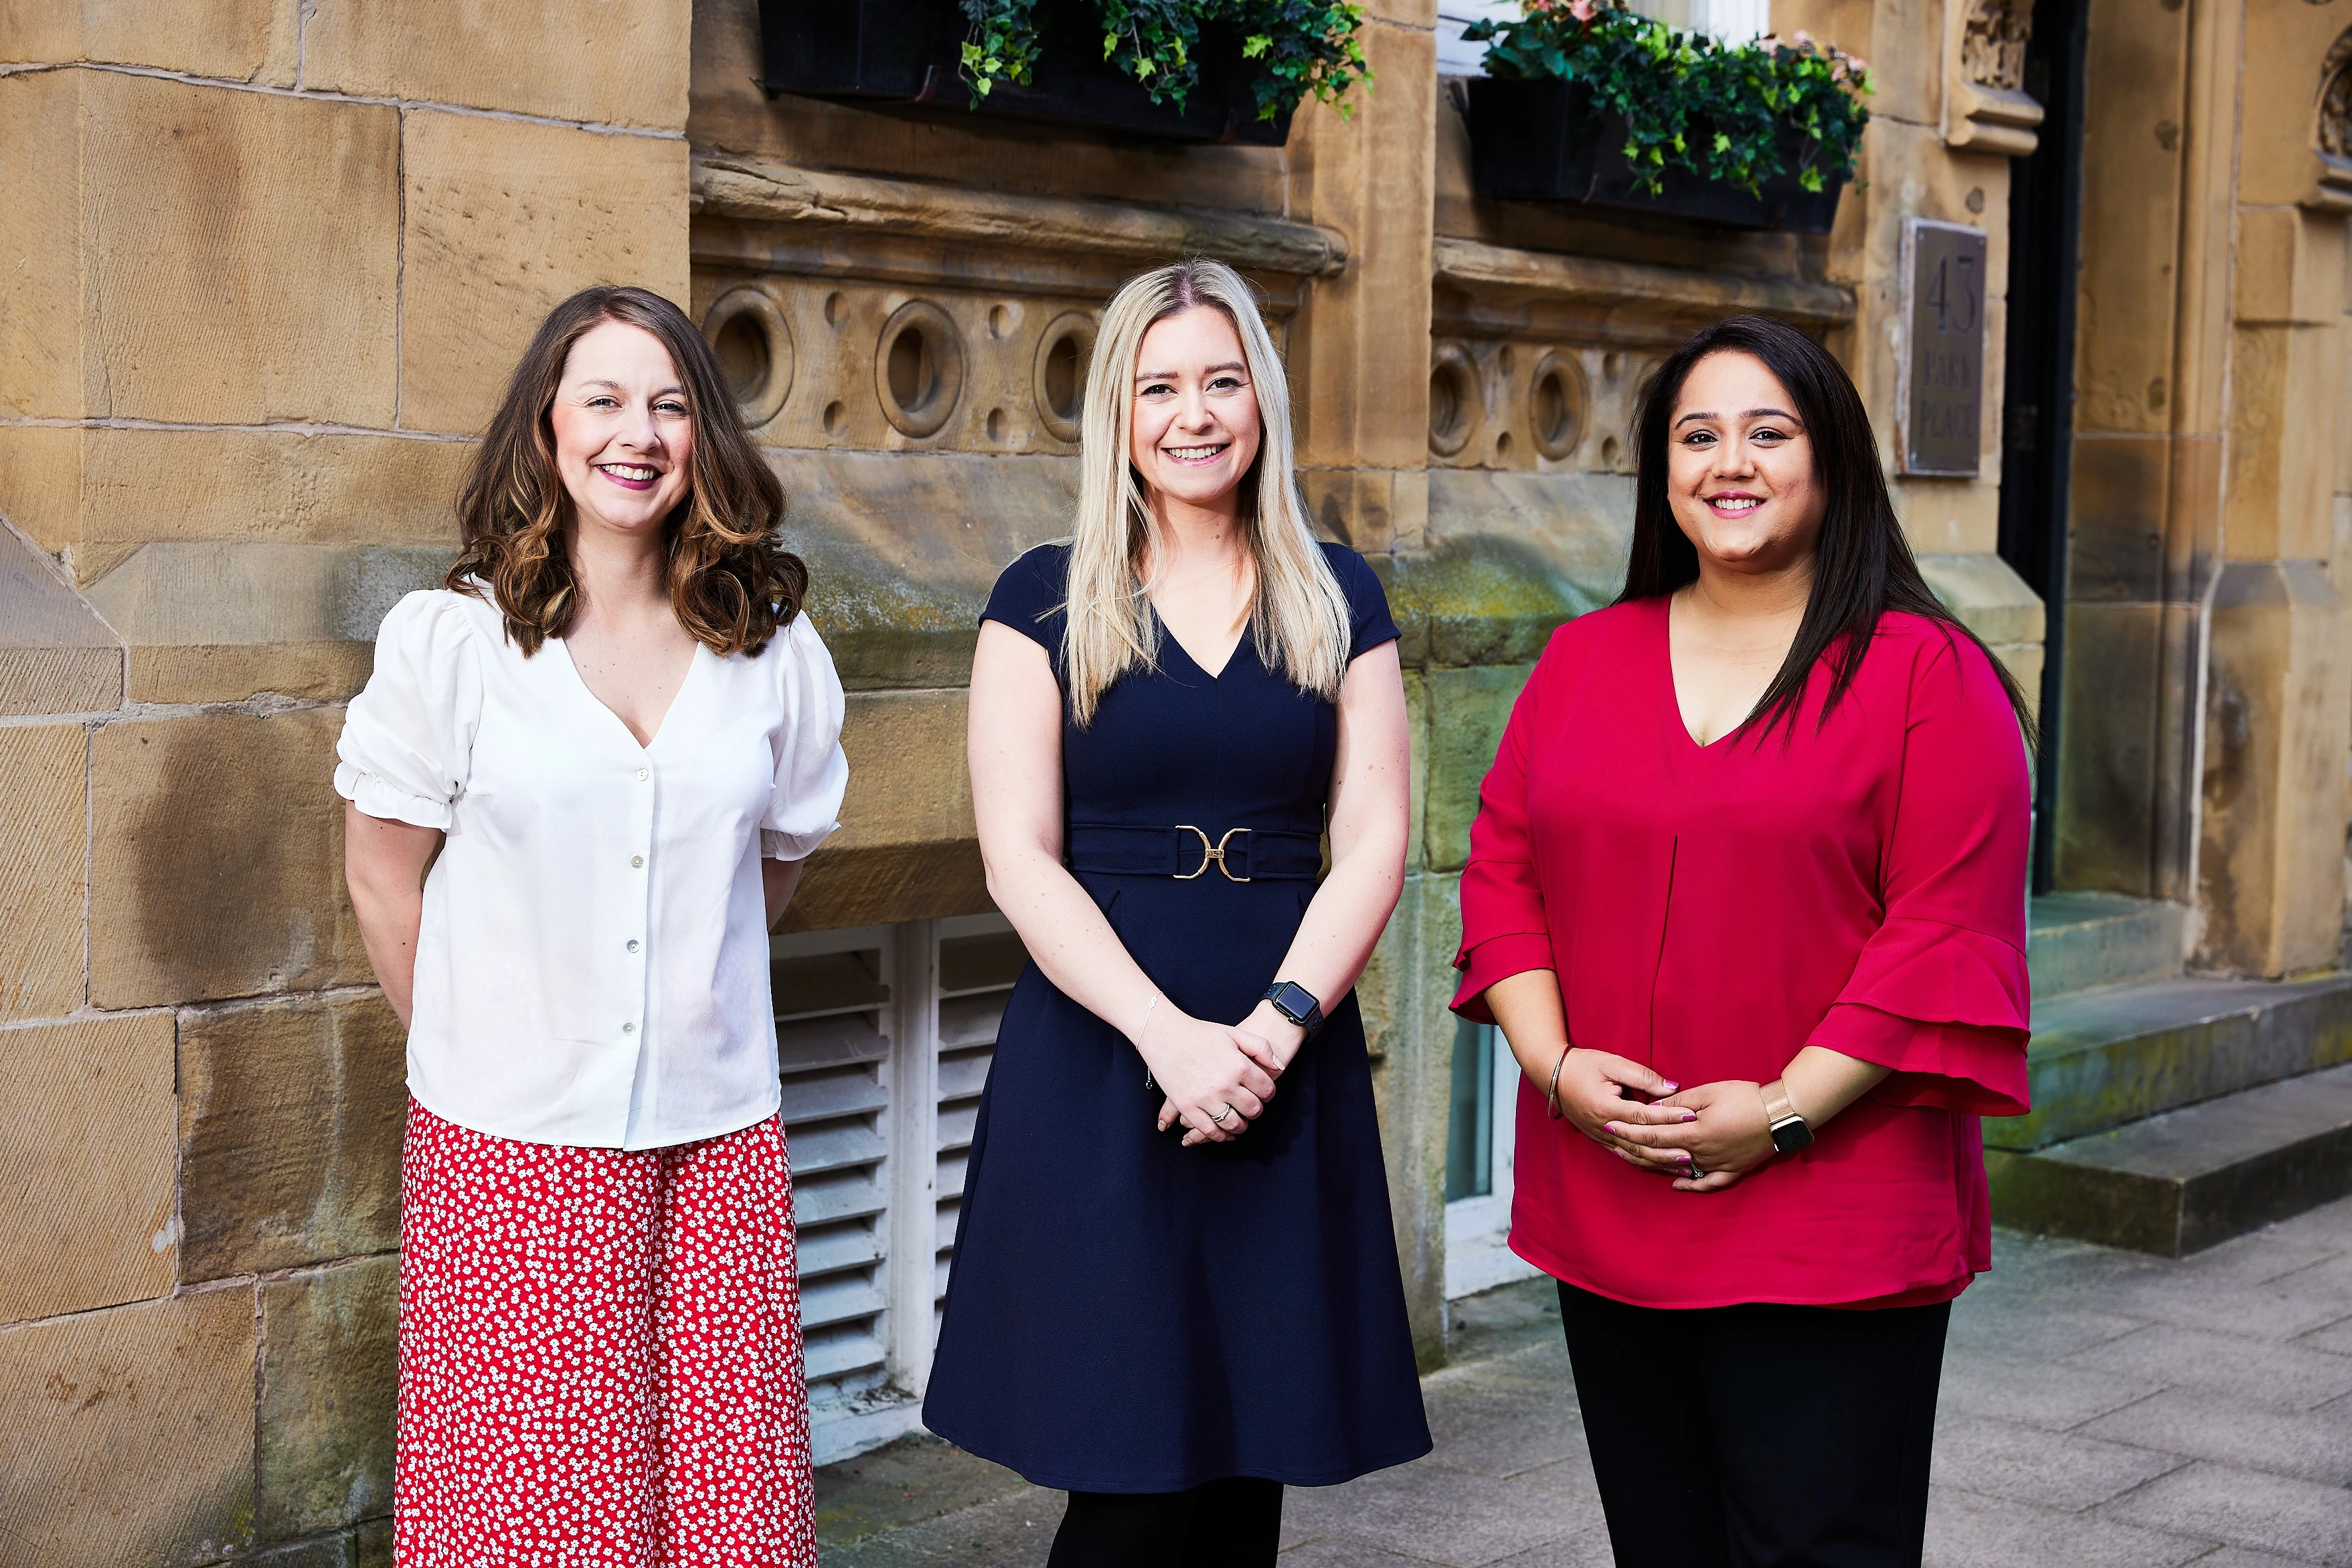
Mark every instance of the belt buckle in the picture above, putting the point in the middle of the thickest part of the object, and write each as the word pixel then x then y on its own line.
pixel 1210 852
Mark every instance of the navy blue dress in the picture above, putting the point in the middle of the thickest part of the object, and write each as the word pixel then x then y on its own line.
pixel 1125 1315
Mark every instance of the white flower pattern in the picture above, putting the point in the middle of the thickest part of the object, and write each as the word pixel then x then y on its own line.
pixel 600 1355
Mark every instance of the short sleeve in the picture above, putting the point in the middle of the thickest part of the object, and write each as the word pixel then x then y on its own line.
pixel 1369 622
pixel 1029 596
pixel 812 770
pixel 407 743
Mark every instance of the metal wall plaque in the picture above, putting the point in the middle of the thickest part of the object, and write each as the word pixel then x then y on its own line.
pixel 1942 410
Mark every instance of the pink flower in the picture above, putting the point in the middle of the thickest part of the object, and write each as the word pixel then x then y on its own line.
pixel 1804 39
pixel 1859 63
pixel 1581 10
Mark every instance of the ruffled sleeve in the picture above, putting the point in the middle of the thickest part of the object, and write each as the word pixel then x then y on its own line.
pixel 812 770
pixel 1504 931
pixel 1940 994
pixel 407 744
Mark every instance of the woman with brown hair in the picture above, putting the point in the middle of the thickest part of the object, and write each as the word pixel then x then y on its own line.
pixel 582 781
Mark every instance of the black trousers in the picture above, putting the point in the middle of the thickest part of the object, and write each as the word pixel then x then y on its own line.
pixel 1759 1436
pixel 1233 1523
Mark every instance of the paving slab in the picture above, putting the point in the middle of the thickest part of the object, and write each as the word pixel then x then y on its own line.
pixel 2037 1393
pixel 2290 1376
pixel 1968 1530
pixel 2245 1508
pixel 2307 1444
pixel 2025 1464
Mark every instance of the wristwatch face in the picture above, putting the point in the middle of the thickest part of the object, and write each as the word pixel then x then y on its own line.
pixel 1294 1002
pixel 1790 1135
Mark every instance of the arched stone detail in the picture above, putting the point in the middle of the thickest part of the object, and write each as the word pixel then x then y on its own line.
pixel 2333 132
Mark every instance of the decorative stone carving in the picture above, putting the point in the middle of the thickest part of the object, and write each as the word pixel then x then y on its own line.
pixel 1992 43
pixel 2332 188
pixel 1986 106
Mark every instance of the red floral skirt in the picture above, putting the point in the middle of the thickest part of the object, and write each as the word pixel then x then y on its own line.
pixel 600 1355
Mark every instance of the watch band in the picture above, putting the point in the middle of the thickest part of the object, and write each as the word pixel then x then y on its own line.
pixel 1789 1130
pixel 1296 1003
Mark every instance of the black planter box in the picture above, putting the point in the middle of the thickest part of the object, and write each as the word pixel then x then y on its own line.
pixel 1543 141
pixel 903 54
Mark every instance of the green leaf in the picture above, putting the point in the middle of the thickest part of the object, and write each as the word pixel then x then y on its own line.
pixel 1811 180
pixel 1255 44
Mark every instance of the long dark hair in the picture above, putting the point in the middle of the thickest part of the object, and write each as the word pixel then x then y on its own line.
pixel 731 582
pixel 1864 568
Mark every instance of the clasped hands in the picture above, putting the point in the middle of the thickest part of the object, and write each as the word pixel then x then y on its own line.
pixel 1706 1137
pixel 1217 1077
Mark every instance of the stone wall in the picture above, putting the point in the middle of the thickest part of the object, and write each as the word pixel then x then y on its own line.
pixel 268 261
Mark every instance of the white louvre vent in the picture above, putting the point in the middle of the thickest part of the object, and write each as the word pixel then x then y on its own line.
pixel 883 1039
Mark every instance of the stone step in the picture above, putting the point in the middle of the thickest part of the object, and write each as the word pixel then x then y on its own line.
pixel 2102 1059
pixel 2180 1182
pixel 2077 941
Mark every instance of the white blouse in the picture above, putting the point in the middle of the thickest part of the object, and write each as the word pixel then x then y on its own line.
pixel 592 965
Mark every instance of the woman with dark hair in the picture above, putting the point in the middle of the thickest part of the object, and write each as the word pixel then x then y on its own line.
pixel 582 781
pixel 1746 896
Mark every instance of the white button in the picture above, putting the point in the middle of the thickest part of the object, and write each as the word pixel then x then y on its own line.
pixel 633 944
pixel 637 860
pixel 645 773
pixel 629 1029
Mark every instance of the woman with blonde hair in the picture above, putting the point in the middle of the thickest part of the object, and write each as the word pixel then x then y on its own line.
pixel 1175 1287
pixel 582 781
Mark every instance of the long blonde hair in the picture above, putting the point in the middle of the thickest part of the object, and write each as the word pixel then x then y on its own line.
pixel 1299 616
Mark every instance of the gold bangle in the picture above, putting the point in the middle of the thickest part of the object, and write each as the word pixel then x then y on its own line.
pixel 1552 1095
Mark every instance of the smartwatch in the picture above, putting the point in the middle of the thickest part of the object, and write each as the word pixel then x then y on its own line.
pixel 1790 1133
pixel 1296 1003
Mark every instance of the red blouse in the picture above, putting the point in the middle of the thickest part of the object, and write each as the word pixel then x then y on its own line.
pixel 1710 910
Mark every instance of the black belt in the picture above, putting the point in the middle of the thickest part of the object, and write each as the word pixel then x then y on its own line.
pixel 1243 854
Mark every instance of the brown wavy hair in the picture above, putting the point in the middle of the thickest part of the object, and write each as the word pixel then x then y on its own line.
pixel 732 582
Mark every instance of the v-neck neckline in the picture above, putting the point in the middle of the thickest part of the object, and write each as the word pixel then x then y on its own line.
pixel 1194 659
pixel 645 747
pixel 1674 691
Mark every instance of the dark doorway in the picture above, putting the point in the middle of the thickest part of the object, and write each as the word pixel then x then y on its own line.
pixel 2044 222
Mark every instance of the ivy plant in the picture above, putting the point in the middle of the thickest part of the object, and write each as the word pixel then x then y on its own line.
pixel 1721 110
pixel 1297 48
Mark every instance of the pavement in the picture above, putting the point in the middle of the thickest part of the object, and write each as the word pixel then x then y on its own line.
pixel 2100 1409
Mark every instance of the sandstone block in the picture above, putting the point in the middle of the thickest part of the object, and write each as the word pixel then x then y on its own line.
pixel 1467 711
pixel 618 62
pixel 242 40
pixel 2113 672
pixel 86 1164
pixel 222 621
pixel 56 654
pixel 327 1394
pixel 218 869
pixel 504 219
pixel 42 862
pixel 214 295
pixel 126 1435
pixel 2282 413
pixel 1987 594
pixel 2120 492
pixel 907 751
pixel 41 345
pixel 291 1117
pixel 105 491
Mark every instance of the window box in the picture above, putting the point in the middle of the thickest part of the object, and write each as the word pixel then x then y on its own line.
pixel 1544 140
pixel 903 54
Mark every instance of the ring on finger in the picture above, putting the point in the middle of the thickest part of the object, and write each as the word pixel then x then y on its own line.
pixel 1220 1117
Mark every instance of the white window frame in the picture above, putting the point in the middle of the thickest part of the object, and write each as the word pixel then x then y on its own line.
pixel 1478 1256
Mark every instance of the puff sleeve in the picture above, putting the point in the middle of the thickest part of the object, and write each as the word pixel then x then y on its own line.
pixel 408 738
pixel 812 770
pixel 1940 993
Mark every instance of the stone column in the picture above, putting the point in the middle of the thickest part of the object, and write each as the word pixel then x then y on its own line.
pixel 2278 697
